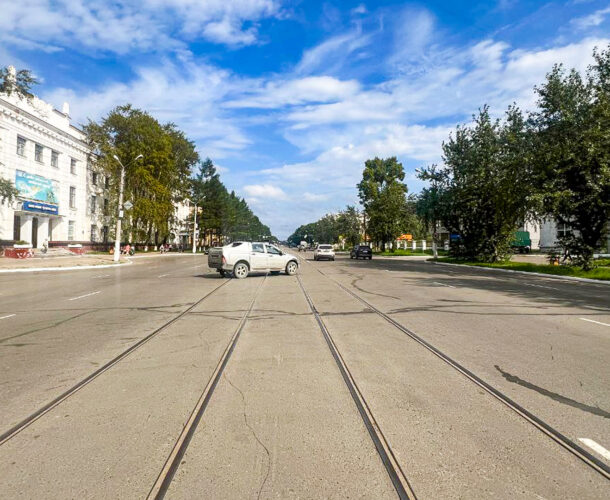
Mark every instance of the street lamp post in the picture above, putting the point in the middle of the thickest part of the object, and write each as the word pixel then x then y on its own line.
pixel 117 238
pixel 195 230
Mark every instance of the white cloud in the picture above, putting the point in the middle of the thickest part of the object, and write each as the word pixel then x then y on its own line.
pixel 265 191
pixel 275 94
pixel 331 54
pixel 360 9
pixel 123 26
pixel 186 93
pixel 591 20
pixel 315 197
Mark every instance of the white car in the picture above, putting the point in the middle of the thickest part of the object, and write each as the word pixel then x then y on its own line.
pixel 324 252
pixel 242 257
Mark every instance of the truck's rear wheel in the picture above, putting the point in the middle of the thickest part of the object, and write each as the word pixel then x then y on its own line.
pixel 240 271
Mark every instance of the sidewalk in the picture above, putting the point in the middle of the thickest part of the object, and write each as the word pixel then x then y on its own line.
pixel 53 262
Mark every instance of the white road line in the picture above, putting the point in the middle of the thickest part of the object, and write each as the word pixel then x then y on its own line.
pixel 9 316
pixel 442 284
pixel 86 295
pixel 102 276
pixel 164 275
pixel 596 447
pixel 593 321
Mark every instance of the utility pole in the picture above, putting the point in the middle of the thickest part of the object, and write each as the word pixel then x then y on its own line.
pixel 117 237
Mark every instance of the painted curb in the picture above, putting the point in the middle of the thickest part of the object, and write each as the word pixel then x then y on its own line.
pixel 67 268
pixel 553 276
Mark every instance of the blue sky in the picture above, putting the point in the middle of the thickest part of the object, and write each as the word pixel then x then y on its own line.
pixel 290 97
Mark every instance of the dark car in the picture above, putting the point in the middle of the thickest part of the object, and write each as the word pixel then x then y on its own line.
pixel 361 251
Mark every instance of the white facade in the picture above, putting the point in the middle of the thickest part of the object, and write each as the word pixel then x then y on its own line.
pixel 183 224
pixel 39 145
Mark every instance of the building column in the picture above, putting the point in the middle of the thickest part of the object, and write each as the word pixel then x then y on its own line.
pixel 26 228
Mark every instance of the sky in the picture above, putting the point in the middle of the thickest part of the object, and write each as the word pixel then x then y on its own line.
pixel 289 98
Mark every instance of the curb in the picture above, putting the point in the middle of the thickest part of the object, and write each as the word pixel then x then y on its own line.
pixel 553 276
pixel 67 268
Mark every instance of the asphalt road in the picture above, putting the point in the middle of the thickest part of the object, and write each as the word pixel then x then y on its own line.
pixel 161 378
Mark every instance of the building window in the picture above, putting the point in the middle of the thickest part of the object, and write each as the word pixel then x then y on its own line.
pixel 93 232
pixel 105 234
pixel 107 183
pixel 20 146
pixel 94 178
pixel 106 211
pixel 72 166
pixel 563 230
pixel 93 203
pixel 55 159
pixel 70 230
pixel 38 153
pixel 72 197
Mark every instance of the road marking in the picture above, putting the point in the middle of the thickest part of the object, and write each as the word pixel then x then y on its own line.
pixel 164 275
pixel 9 316
pixel 596 447
pixel 442 284
pixel 102 276
pixel 593 321
pixel 86 295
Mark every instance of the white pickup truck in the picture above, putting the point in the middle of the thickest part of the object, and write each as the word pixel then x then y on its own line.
pixel 242 257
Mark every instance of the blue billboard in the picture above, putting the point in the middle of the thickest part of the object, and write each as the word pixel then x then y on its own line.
pixel 36 187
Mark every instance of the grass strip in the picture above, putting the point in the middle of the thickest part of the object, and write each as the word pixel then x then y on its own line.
pixel 599 273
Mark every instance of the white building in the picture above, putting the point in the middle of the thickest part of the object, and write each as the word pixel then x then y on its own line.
pixel 46 157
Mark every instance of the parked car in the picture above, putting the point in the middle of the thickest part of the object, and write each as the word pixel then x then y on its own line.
pixel 361 251
pixel 324 252
pixel 242 257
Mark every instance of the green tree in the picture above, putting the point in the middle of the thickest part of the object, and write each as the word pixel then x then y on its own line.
pixel 17 82
pixel 483 191
pixel 572 159
pixel 383 197
pixel 155 183
pixel 349 225
pixel 224 215
pixel 8 192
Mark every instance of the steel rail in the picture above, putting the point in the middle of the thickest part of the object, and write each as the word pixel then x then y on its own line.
pixel 26 422
pixel 395 472
pixel 592 461
pixel 165 477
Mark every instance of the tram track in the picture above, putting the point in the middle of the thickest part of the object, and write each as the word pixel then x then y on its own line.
pixel 167 473
pixel 391 464
pixel 33 417
pixel 590 460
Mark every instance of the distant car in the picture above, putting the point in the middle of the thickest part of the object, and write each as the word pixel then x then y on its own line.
pixel 324 252
pixel 242 257
pixel 361 251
